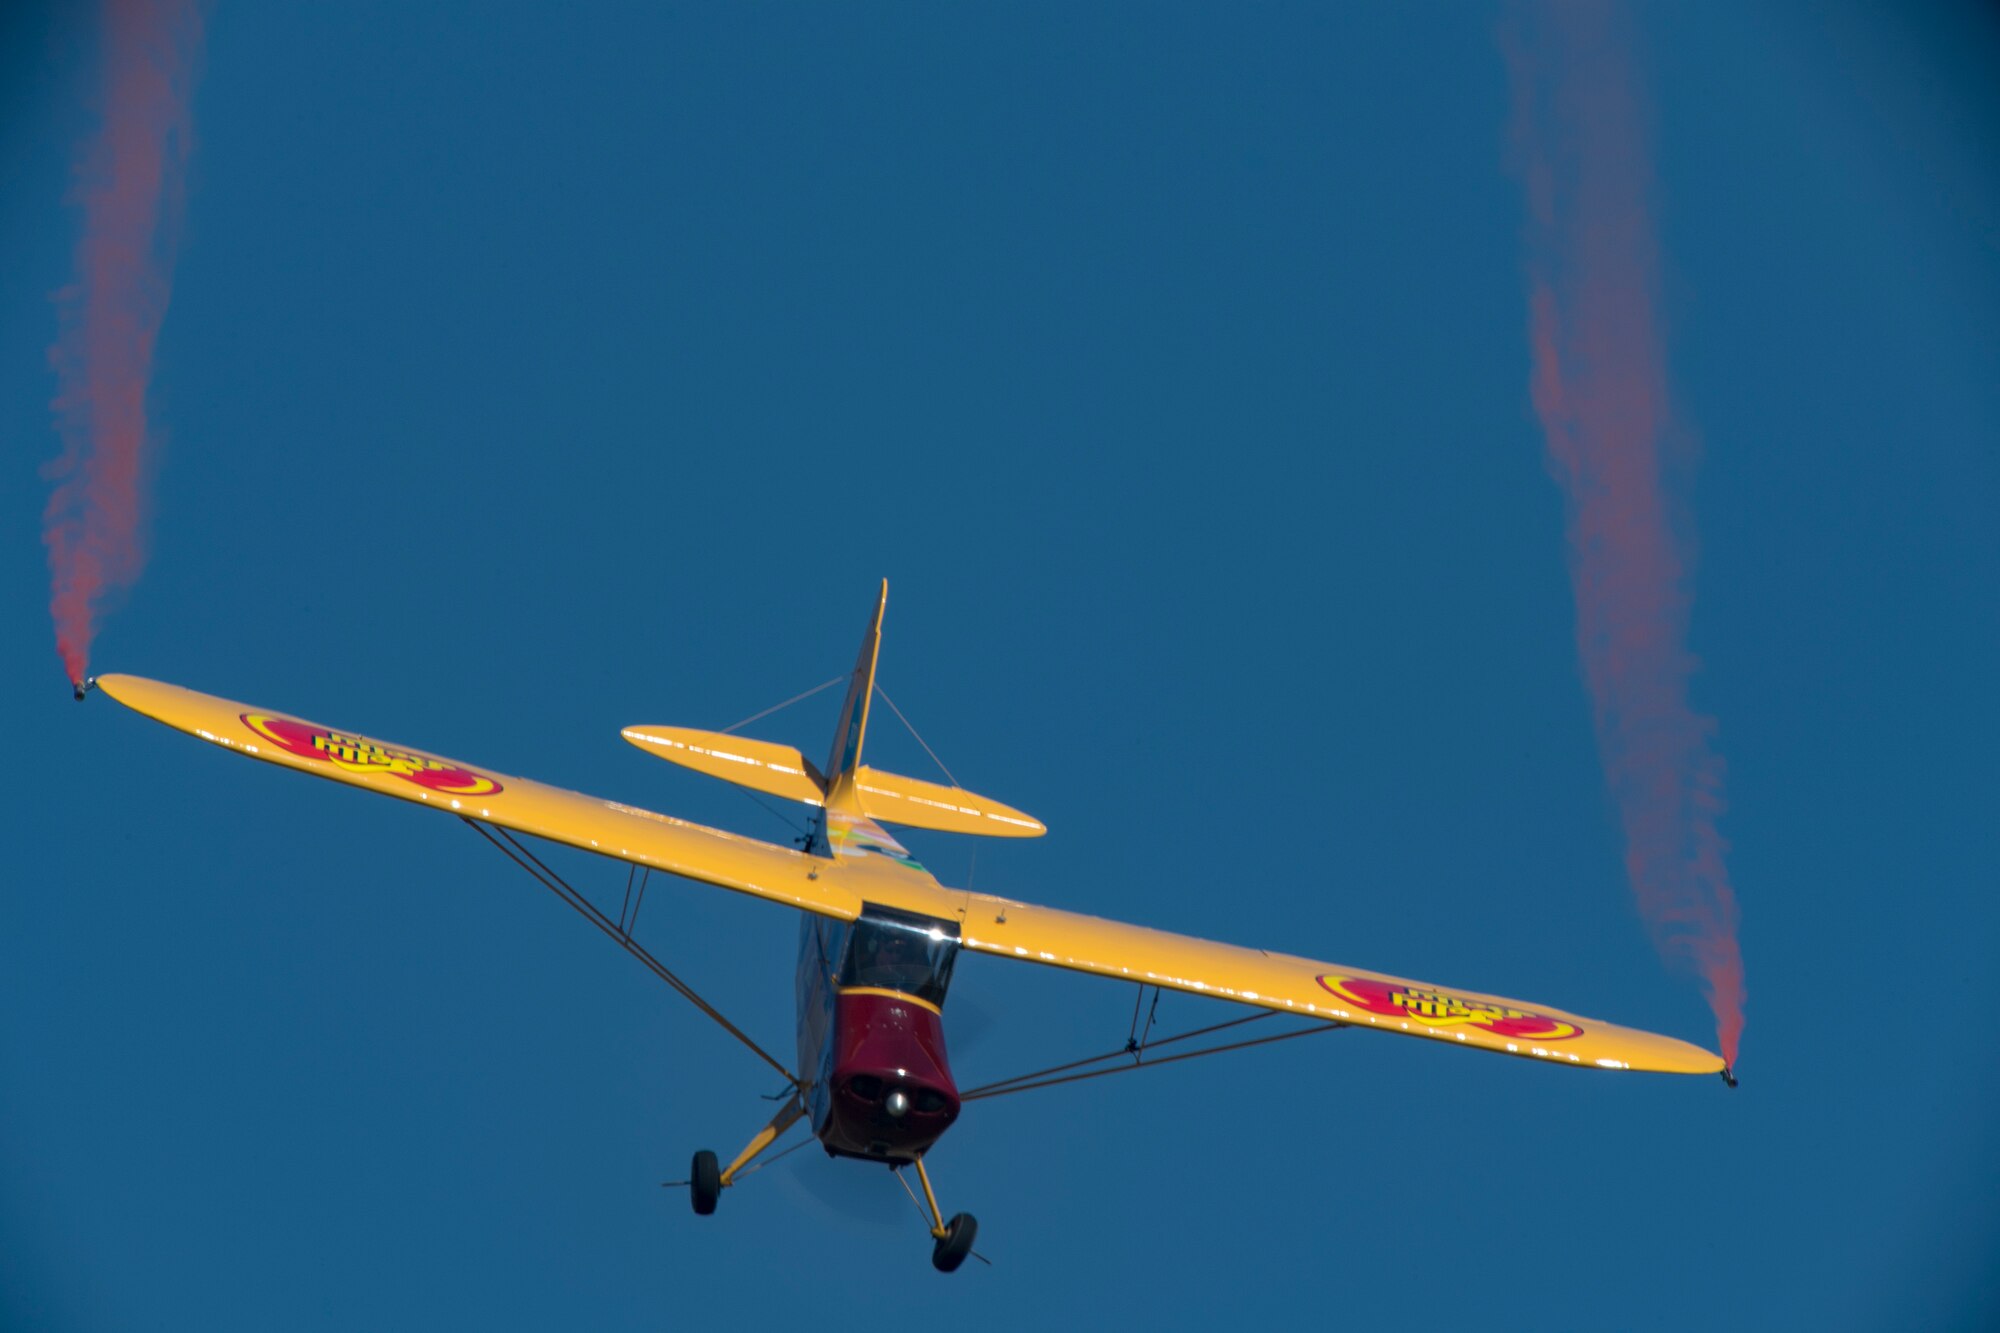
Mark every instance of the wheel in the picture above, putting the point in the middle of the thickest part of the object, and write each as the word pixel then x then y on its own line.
pixel 955 1244
pixel 704 1182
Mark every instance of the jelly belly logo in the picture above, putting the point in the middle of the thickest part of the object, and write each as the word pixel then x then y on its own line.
pixel 1436 1009
pixel 356 754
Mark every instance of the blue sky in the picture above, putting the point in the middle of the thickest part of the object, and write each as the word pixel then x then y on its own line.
pixel 530 376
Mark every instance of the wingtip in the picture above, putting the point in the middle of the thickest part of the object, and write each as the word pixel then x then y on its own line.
pixel 111 683
pixel 122 687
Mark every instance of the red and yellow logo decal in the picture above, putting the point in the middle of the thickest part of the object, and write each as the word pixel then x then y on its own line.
pixel 357 754
pixel 1438 1010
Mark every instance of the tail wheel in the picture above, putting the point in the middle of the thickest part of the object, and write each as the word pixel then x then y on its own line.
pixel 705 1182
pixel 955 1243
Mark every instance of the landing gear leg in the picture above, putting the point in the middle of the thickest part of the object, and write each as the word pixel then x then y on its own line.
pixel 954 1238
pixel 706 1182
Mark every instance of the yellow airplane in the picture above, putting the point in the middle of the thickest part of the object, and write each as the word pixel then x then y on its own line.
pixel 879 934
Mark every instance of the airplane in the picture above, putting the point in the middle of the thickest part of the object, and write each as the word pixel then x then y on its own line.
pixel 879 935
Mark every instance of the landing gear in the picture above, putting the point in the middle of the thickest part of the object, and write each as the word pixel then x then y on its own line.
pixel 954 1238
pixel 955 1243
pixel 705 1182
pixel 707 1178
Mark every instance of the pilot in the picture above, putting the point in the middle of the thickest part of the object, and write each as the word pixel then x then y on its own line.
pixel 893 959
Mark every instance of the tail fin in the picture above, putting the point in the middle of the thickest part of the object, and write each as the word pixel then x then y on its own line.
pixel 847 737
pixel 848 792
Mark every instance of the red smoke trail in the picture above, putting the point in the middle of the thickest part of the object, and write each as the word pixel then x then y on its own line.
pixel 128 183
pixel 1600 391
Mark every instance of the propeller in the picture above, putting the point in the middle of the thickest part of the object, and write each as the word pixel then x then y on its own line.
pixel 845 1189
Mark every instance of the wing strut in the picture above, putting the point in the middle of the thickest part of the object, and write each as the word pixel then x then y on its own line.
pixel 511 848
pixel 1055 1074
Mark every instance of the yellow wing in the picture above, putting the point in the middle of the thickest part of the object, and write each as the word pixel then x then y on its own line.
pixel 746 865
pixel 838 888
pixel 1317 990
pixel 1294 985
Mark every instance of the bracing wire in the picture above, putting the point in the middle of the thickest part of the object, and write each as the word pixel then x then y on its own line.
pixel 1058 1074
pixel 993 1089
pixel 758 717
pixel 913 731
pixel 915 1202
pixel 797 698
pixel 925 1213
pixel 775 812
pixel 760 1164
pixel 753 1168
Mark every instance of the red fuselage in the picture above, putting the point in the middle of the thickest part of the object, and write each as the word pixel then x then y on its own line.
pixel 884 1044
pixel 881 1085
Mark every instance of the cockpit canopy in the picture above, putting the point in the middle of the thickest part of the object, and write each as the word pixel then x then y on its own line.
pixel 901 951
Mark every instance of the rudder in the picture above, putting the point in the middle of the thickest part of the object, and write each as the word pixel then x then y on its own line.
pixel 853 726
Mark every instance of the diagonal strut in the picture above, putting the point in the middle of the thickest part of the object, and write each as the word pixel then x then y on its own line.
pixel 511 848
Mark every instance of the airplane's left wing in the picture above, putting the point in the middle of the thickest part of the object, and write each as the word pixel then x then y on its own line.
pixel 760 869
pixel 1303 987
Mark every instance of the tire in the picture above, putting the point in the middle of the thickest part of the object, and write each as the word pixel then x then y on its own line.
pixel 955 1244
pixel 704 1182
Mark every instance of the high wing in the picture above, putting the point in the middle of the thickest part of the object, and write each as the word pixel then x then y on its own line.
pixel 1310 989
pixel 866 865
pixel 760 869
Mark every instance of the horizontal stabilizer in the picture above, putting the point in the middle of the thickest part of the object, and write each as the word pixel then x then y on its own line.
pixel 778 770
pixel 913 803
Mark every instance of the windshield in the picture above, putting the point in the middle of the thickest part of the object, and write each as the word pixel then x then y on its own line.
pixel 903 952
